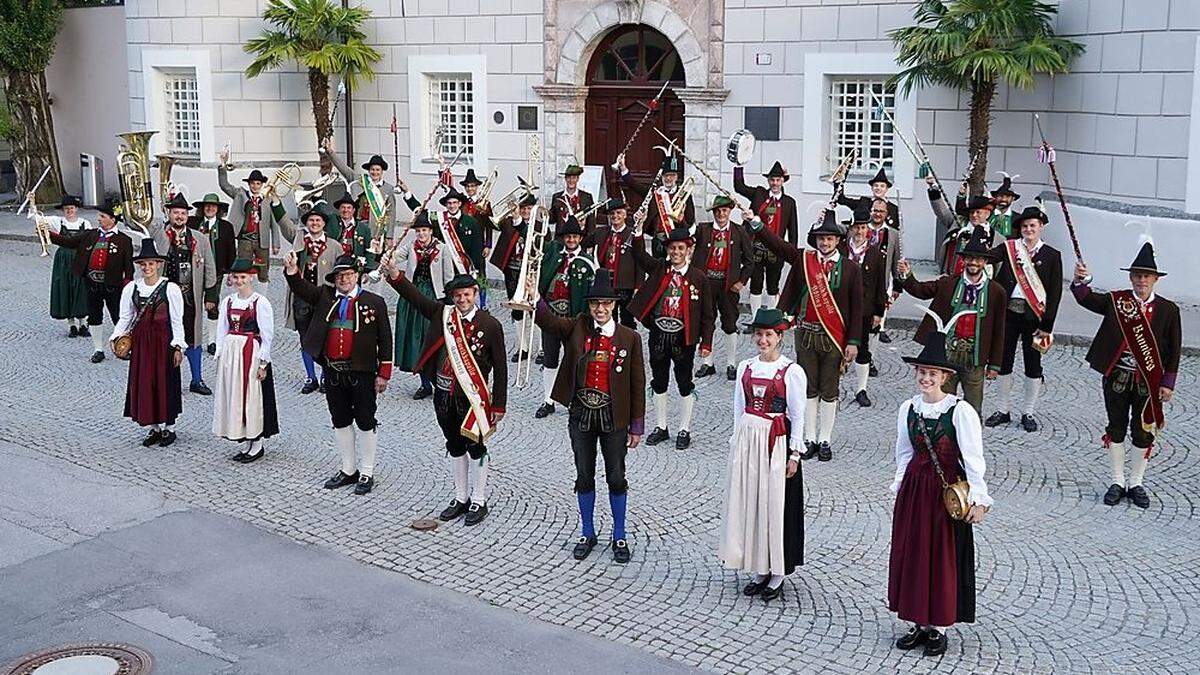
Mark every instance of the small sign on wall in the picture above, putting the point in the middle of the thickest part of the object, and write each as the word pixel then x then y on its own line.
pixel 527 118
pixel 763 122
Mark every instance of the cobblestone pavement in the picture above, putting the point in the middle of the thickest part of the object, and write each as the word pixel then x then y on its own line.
pixel 1065 583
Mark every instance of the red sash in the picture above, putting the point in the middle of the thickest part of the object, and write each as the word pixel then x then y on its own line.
pixel 1135 327
pixel 663 201
pixel 477 425
pixel 820 298
pixel 1038 305
pixel 456 244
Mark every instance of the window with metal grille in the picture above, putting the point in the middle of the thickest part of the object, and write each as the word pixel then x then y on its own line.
pixel 452 109
pixel 181 108
pixel 857 120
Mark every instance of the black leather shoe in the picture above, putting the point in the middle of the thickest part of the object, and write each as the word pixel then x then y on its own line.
pixel 364 485
pixel 755 587
pixel 1138 495
pixel 544 410
pixel 539 358
pixel 200 388
pixel 912 639
pixel 341 480
pixel 422 393
pixel 731 373
pixel 872 371
pixel 97 357
pixel 168 437
pixel 475 514
pixel 657 436
pixel 1028 423
pixel 152 438
pixel 1114 495
pixel 212 349
pixel 309 387
pixel 683 440
pixel 517 356
pixel 249 458
pixel 884 337
pixel 706 370
pixel 453 511
pixel 238 457
pixel 862 399
pixel 620 551
pixel 73 332
pixel 935 643
pixel 997 419
pixel 84 331
pixel 824 452
pixel 583 547
pixel 768 594
pixel 810 450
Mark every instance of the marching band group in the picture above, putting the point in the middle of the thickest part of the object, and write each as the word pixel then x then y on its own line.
pixel 585 287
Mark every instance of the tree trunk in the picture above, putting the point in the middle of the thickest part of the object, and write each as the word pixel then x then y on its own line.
pixel 33 144
pixel 318 89
pixel 982 93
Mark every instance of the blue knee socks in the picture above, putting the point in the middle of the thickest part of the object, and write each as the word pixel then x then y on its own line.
pixel 617 502
pixel 310 366
pixel 587 504
pixel 193 357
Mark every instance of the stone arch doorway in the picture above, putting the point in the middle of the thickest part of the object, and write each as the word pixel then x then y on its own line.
pixel 627 68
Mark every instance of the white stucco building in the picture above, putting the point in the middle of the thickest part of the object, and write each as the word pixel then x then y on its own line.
pixel 573 71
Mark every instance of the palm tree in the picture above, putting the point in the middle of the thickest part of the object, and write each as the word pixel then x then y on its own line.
pixel 28 29
pixel 974 45
pixel 323 37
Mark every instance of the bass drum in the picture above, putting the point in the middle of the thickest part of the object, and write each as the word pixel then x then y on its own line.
pixel 741 147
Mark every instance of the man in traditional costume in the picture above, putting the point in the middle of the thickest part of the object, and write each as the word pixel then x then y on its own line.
pixel 1000 220
pixel 885 236
pixel 209 221
pixel 68 291
pixel 254 222
pixel 975 342
pixel 612 243
pixel 462 233
pixel 571 200
pixel 1136 350
pixel 762 529
pixel 778 214
pixel 375 197
pixel 724 251
pixel 978 226
pixel 674 305
pixel 510 249
pixel 875 275
pixel 104 260
pixel 353 234
pixel 879 184
pixel 605 391
pixel 566 275
pixel 316 255
pixel 350 335
pixel 464 346
pixel 1030 272
pixel 193 267
pixel 824 294
pixel 664 203
pixel 152 316
pixel 482 213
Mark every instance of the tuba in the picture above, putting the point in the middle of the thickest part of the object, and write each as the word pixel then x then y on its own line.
pixel 166 189
pixel 133 170
pixel 526 296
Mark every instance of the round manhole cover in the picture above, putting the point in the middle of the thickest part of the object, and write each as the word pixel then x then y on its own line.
pixel 85 659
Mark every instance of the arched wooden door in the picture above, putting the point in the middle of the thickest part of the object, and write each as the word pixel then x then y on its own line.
pixel 627 69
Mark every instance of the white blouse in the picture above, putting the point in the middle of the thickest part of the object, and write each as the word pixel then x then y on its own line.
pixel 174 304
pixel 265 319
pixel 967 431
pixel 78 225
pixel 793 379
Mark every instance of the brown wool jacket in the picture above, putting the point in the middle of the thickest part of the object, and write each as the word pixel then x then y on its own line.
pixel 629 274
pixel 1109 341
pixel 941 291
pixel 874 280
pixel 1048 263
pixel 701 310
pixel 118 268
pixel 372 348
pixel 739 252
pixel 848 295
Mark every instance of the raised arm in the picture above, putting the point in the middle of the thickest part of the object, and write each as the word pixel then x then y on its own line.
pixel 644 260
pixel 341 166
pixel 739 183
pixel 922 290
pixel 303 289
pixel 784 249
pixel 230 190
pixel 551 323
pixel 427 306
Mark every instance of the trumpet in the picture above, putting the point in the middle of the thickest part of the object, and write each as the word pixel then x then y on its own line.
pixel 133 169
pixel 525 299
pixel 483 197
pixel 308 197
pixel 286 179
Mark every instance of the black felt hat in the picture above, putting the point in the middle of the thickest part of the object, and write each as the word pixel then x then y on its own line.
pixel 1145 262
pixel 681 234
pixel 862 214
pixel 470 178
pixel 453 194
pixel 977 246
pixel 344 263
pixel 345 199
pixel 255 175
pixel 148 251
pixel 569 226
pixel 672 164
pixel 178 202
pixel 880 177
pixel 933 354
pixel 777 171
pixel 70 200
pixel 528 200
pixel 828 225
pixel 111 209
pixel 1005 188
pixel 979 202
pixel 1031 212
pixel 314 211
pixel 461 281
pixel 376 160
pixel 602 288
pixel 771 318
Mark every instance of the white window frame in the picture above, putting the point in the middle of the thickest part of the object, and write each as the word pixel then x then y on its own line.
pixel 171 79
pixel 865 106
pixel 422 69
pixel 157 65
pixel 820 69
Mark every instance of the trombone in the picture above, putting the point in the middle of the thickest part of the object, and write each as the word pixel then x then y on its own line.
pixel 483 197
pixel 526 296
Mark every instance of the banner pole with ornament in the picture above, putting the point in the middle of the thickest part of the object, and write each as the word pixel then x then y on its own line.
pixel 1046 156
pixel 651 107
pixel 395 145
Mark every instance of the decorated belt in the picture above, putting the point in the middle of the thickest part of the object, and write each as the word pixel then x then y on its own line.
pixel 716 274
pixel 669 324
pixel 957 344
pixel 811 327
pixel 444 382
pixel 561 307
pixel 593 399
pixel 96 276
pixel 338 366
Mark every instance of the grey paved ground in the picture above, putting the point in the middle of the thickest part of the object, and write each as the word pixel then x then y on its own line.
pixel 1066 584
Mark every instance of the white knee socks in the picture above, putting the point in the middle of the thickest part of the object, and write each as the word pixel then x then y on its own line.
pixel 660 410
pixel 1138 471
pixel 707 360
pixel 828 415
pixel 772 301
pixel 685 412
pixel 756 301
pixel 1116 458
pixel 810 419
pixel 1004 398
pixel 479 491
pixel 548 375
pixel 459 467
pixel 369 441
pixel 344 438
pixel 1033 388
pixel 731 348
pixel 862 371
pixel 97 339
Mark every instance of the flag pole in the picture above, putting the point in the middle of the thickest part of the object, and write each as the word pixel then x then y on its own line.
pixel 1047 156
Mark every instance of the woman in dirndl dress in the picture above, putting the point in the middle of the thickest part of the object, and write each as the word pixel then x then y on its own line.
pixel 68 291
pixel 244 405
pixel 427 262
pixel 931 571
pixel 763 527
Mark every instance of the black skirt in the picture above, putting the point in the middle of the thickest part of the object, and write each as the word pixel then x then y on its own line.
pixel 793 521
